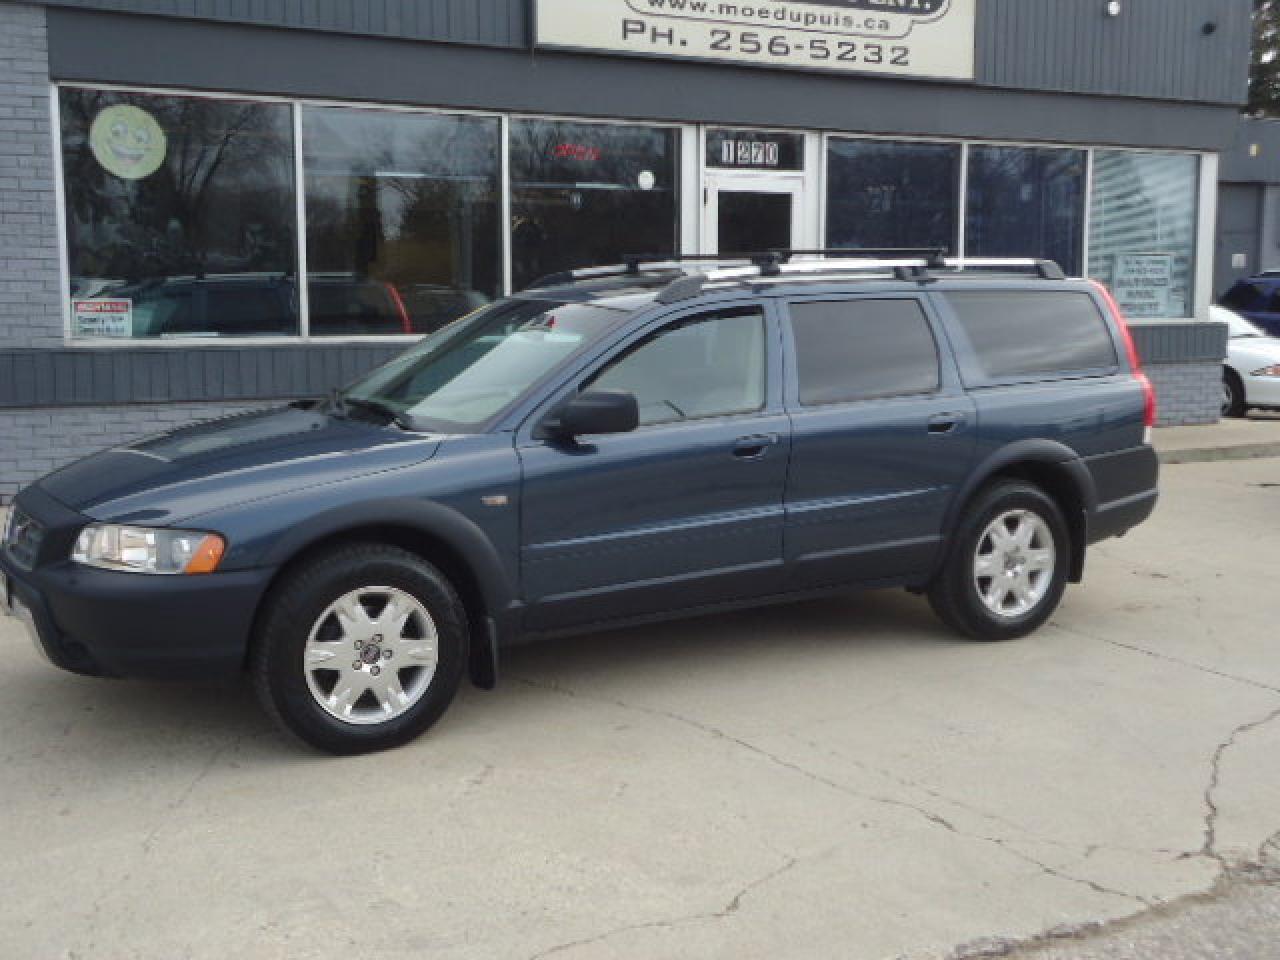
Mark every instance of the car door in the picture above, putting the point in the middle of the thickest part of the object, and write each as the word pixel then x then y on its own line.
pixel 684 511
pixel 882 437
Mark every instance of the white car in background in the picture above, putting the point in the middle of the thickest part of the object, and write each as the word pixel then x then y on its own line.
pixel 1251 377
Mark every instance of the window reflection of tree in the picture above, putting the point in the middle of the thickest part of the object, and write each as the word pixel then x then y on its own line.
pixel 577 198
pixel 1026 202
pixel 409 200
pixel 220 203
pixel 892 194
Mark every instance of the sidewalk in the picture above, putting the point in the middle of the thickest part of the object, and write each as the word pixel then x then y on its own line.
pixel 1229 440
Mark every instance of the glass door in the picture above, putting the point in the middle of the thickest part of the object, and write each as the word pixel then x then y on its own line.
pixel 747 214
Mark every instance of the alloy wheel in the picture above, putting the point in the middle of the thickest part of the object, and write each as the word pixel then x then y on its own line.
pixel 1014 563
pixel 371 655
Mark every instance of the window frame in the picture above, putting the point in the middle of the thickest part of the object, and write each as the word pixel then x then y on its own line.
pixel 947 375
pixel 527 418
pixel 699 316
pixel 297 105
pixel 1206 204
pixel 691 171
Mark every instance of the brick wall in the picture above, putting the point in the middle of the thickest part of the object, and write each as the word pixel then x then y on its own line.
pixel 34 442
pixel 1187 393
pixel 30 312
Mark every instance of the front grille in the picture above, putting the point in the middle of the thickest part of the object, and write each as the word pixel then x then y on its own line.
pixel 25 538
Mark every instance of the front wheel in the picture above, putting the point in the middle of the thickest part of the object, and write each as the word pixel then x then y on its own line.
pixel 361 649
pixel 1007 567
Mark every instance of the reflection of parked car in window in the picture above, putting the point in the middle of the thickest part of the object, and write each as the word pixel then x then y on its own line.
pixel 1251 374
pixel 344 304
pixel 216 305
pixel 1257 299
pixel 617 445
pixel 85 288
pixel 262 304
pixel 431 306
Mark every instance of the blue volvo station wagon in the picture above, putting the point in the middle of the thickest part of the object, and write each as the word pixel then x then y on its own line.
pixel 616 445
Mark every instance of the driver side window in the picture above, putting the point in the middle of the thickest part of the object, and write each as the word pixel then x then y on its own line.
pixel 710 365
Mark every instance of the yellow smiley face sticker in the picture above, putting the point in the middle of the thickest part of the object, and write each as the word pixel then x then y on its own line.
pixel 128 142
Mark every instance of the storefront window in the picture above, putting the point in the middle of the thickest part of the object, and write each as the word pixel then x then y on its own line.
pixel 882 194
pixel 402 219
pixel 586 193
pixel 1026 203
pixel 180 216
pixel 1142 232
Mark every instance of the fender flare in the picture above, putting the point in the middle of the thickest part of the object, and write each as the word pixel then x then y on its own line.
pixel 438 522
pixel 1062 459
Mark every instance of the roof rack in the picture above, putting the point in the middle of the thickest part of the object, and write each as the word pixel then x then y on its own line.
pixel 912 264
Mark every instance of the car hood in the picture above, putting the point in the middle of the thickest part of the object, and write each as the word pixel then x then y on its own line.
pixel 1247 354
pixel 164 478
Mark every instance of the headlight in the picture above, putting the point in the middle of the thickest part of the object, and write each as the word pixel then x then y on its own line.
pixel 1273 371
pixel 149 550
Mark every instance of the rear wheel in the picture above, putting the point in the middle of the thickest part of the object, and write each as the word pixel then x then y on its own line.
pixel 361 649
pixel 1233 397
pixel 1007 568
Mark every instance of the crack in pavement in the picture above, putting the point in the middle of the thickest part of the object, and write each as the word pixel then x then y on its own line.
pixel 180 801
pixel 728 910
pixel 936 819
pixel 1156 655
pixel 1087 850
pixel 1210 846
pixel 1231 875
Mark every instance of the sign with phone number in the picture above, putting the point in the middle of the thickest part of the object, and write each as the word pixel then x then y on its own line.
pixel 922 38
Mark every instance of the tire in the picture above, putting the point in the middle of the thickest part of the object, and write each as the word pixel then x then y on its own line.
pixel 411 631
pixel 957 593
pixel 1233 398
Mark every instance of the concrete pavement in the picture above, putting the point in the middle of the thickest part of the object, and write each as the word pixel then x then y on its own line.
pixel 835 779
pixel 1245 439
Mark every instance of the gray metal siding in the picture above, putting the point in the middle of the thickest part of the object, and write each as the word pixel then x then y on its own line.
pixel 1239 232
pixel 74 377
pixel 498 23
pixel 1253 154
pixel 162 52
pixel 1180 343
pixel 1156 48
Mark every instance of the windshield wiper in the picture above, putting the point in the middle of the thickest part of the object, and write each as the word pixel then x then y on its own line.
pixel 402 420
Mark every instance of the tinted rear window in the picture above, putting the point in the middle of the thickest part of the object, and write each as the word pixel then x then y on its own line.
pixel 1030 334
pixel 850 350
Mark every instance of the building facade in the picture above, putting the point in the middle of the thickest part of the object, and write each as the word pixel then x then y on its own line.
pixel 214 205
pixel 1248 204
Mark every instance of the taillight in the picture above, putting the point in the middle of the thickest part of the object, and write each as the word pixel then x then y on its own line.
pixel 1135 361
pixel 405 323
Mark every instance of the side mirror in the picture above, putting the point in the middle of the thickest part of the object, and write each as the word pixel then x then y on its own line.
pixel 597 412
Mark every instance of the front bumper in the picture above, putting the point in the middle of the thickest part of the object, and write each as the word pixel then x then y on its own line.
pixel 107 623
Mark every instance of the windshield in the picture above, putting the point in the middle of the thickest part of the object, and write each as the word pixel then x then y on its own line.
pixel 460 377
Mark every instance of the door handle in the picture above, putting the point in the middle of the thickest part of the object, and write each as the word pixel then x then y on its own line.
pixel 945 423
pixel 753 448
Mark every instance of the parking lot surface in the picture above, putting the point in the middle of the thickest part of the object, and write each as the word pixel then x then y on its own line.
pixel 840 778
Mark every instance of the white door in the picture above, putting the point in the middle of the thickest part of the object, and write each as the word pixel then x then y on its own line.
pixel 749 213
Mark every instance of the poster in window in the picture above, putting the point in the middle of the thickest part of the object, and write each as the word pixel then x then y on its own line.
pixel 109 319
pixel 128 141
pixel 1143 284
pixel 917 38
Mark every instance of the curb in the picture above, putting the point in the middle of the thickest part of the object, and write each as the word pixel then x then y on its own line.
pixel 1245 451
